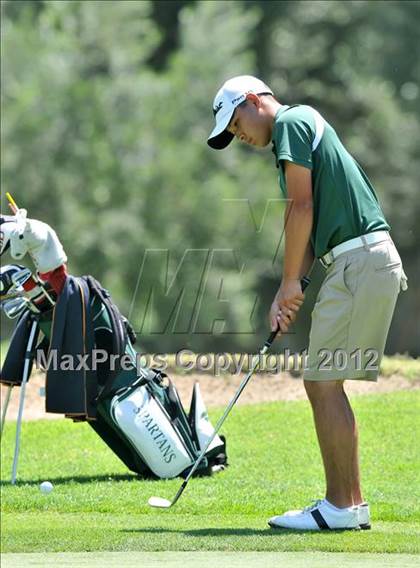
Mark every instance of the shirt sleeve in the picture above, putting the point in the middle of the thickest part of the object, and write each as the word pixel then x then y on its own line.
pixel 293 139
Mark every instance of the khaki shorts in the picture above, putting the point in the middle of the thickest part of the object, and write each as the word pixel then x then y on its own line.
pixel 353 312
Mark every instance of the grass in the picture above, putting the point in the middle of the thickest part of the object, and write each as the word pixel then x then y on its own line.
pixel 97 505
pixel 210 559
pixel 403 365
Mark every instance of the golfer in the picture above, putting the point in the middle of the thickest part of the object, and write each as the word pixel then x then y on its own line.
pixel 332 214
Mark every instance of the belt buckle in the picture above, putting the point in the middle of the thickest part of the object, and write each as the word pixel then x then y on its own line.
pixel 323 262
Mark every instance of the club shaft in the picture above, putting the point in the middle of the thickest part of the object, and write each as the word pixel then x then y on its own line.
pixel 255 365
pixel 245 381
pixel 26 371
pixel 5 406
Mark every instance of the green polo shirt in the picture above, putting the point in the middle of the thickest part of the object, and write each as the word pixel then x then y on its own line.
pixel 345 203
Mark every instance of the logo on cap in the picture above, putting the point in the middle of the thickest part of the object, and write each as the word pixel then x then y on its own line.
pixel 217 108
pixel 240 98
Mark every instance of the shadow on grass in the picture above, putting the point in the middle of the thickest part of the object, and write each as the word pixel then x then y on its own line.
pixel 76 479
pixel 218 532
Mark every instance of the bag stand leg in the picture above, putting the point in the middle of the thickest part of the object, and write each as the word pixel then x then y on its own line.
pixel 5 406
pixel 25 379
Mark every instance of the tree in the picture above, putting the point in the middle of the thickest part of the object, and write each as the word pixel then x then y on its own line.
pixel 106 108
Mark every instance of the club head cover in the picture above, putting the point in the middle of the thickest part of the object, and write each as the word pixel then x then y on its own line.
pixel 25 235
pixel 8 226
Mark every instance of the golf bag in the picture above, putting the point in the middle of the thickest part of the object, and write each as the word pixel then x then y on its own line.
pixel 93 374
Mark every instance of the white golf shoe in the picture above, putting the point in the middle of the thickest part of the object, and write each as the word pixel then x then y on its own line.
pixel 321 515
pixel 364 516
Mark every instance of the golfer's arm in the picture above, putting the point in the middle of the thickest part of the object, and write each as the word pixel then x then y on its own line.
pixel 298 221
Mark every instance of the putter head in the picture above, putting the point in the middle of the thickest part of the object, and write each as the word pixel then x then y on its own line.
pixel 159 502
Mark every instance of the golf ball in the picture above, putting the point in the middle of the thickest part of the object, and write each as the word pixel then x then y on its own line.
pixel 46 487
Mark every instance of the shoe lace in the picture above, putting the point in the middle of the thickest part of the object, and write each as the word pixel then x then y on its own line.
pixel 313 505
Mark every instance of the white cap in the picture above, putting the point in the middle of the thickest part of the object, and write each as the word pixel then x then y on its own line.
pixel 229 96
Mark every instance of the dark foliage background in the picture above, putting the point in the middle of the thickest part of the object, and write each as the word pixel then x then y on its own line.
pixel 106 107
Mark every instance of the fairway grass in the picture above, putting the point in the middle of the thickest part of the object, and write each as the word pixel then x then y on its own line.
pixel 209 560
pixel 186 532
pixel 96 505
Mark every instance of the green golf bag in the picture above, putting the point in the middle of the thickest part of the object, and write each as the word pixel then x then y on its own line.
pixel 94 375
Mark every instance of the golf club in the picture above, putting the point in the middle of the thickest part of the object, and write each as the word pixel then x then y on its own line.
pixel 162 503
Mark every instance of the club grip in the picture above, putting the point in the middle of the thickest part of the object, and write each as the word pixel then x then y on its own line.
pixel 304 284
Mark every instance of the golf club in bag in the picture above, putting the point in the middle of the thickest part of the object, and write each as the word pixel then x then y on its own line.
pixel 162 503
pixel 136 410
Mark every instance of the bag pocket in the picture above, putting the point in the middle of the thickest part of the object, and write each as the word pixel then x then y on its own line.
pixel 145 423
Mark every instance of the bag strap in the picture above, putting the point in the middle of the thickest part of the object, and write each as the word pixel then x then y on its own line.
pixel 119 333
